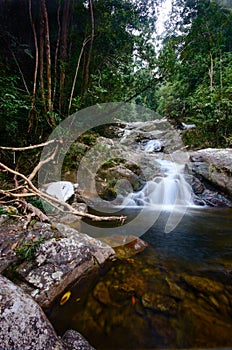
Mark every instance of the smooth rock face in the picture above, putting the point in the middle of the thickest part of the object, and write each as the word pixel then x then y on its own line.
pixel 23 323
pixel 214 165
pixel 62 190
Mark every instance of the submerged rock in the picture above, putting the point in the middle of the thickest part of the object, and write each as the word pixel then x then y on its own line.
pixel 160 303
pixel 126 246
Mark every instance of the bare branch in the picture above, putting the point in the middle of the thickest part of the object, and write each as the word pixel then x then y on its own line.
pixel 42 162
pixel 51 200
pixel 30 147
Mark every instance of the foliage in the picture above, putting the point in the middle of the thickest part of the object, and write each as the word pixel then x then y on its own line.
pixel 26 249
pixel 14 106
pixel 56 68
pixel 197 73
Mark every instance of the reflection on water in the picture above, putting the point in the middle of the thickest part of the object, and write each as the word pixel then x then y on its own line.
pixel 175 294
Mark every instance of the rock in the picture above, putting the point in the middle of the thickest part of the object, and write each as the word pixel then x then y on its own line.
pixel 122 172
pixel 61 262
pixel 3 218
pixel 154 146
pixel 101 294
pixel 204 285
pixel 23 323
pixel 62 190
pixel 197 186
pixel 159 129
pixel 215 166
pixel 126 246
pixel 75 341
pixel 160 303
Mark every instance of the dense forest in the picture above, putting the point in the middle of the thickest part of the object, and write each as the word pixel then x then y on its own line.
pixel 57 57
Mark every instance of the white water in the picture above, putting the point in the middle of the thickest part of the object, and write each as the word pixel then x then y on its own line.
pixel 153 145
pixel 167 190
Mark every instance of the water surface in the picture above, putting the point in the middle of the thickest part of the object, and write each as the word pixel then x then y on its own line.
pixel 175 294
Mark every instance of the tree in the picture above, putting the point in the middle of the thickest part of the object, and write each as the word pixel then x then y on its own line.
pixel 193 64
pixel 73 54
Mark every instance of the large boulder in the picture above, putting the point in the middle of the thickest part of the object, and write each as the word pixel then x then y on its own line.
pixel 215 166
pixel 61 262
pixel 25 326
pixel 23 323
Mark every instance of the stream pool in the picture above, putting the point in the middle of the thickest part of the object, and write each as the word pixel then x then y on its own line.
pixel 177 293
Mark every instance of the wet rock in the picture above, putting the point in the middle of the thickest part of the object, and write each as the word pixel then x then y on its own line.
pixel 203 284
pixel 154 146
pixel 203 329
pixel 174 289
pixel 126 246
pixel 197 186
pixel 160 303
pixel 75 341
pixel 101 294
pixel 23 324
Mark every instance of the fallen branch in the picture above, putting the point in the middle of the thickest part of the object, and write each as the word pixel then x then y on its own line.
pixel 29 189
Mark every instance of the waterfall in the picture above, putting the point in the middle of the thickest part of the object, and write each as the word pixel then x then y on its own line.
pixel 167 189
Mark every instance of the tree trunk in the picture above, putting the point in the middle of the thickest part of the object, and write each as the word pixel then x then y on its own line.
pixel 56 52
pixel 63 52
pixel 48 62
pixel 41 59
pixel 86 82
pixel 211 72
pixel 32 112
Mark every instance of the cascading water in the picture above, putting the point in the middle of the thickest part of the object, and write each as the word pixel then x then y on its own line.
pixel 167 189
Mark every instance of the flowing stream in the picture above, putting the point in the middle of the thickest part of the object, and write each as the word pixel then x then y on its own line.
pixel 177 293
pixel 169 188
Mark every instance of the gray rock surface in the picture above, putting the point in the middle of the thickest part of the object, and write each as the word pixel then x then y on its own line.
pixel 61 262
pixel 23 323
pixel 75 341
pixel 214 165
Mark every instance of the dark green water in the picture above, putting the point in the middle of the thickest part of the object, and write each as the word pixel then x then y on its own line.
pixel 175 294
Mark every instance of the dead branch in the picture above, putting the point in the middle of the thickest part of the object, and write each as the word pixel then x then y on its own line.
pixel 56 203
pixel 42 162
pixel 30 147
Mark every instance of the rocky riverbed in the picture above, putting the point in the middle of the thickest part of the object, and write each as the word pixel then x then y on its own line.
pixel 41 263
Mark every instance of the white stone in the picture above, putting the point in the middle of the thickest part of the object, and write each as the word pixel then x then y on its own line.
pixel 62 190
